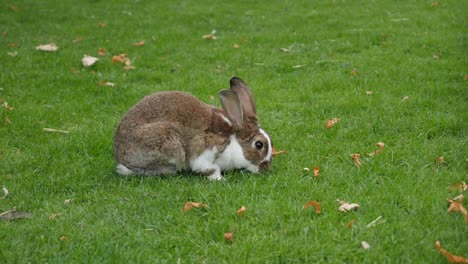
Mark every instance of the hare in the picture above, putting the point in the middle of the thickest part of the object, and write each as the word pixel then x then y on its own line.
pixel 172 131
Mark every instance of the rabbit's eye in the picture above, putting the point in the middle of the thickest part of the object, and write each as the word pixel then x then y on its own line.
pixel 259 145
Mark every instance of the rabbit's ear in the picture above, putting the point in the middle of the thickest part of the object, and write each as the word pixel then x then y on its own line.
pixel 232 106
pixel 245 96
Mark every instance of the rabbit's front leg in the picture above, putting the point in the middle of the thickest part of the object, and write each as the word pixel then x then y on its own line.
pixel 205 164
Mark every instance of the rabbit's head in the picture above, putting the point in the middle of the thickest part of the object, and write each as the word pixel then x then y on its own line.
pixel 239 106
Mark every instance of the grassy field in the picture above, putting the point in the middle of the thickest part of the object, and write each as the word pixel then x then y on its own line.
pixel 391 71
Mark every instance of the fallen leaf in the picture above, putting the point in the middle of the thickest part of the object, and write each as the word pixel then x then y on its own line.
pixel 139 43
pixel 102 52
pixel 381 146
pixel 315 204
pixel 129 67
pixel 5 192
pixel 450 257
pixel 64 238
pixel 345 206
pixel 229 236
pixel 434 4
pixel 102 24
pixel 12 54
pixel 6 106
pixel 241 211
pixel 405 98
pixel 67 201
pixel 331 122
pixel 105 83
pixel 316 171
pixel 356 159
pixel 4 33
pixel 465 77
pixel 88 61
pixel 460 186
pixel 440 161
pixel 456 205
pixel 235 46
pixel 210 36
pixel 354 72
pixel 14 215
pixel 53 216
pixel 369 92
pixel 52 130
pixel 189 205
pixel 306 170
pixel 350 223
pixel 276 152
pixel 119 58
pixel 78 39
pixel 14 8
pixel 47 47
pixel 284 49
pixel 11 45
pixel 365 245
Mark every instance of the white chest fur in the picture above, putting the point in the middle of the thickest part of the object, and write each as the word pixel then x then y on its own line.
pixel 231 158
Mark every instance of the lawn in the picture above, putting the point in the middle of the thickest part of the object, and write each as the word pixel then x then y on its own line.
pixel 392 71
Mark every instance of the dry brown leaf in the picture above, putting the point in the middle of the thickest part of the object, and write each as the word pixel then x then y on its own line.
pixel 350 223
pixel 316 171
pixel 88 61
pixel 465 77
pixel 331 122
pixel 315 204
pixel 102 24
pixel 189 205
pixel 235 46
pixel 106 83
pixel 354 72
pixel 139 43
pixel 381 146
pixel 119 58
pixel 11 45
pixel 345 206
pixel 64 238
pixel 434 4
pixel 102 52
pixel 276 152
pixel 459 186
pixel 241 211
pixel 440 161
pixel 14 8
pixel 456 205
pixel 47 47
pixel 450 257
pixel 229 236
pixel 356 159
pixel 129 67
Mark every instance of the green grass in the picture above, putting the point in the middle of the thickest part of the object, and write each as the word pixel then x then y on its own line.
pixel 397 48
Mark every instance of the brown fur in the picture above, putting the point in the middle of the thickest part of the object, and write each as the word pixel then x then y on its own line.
pixel 164 131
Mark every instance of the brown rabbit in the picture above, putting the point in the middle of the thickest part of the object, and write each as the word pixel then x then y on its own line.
pixel 172 131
